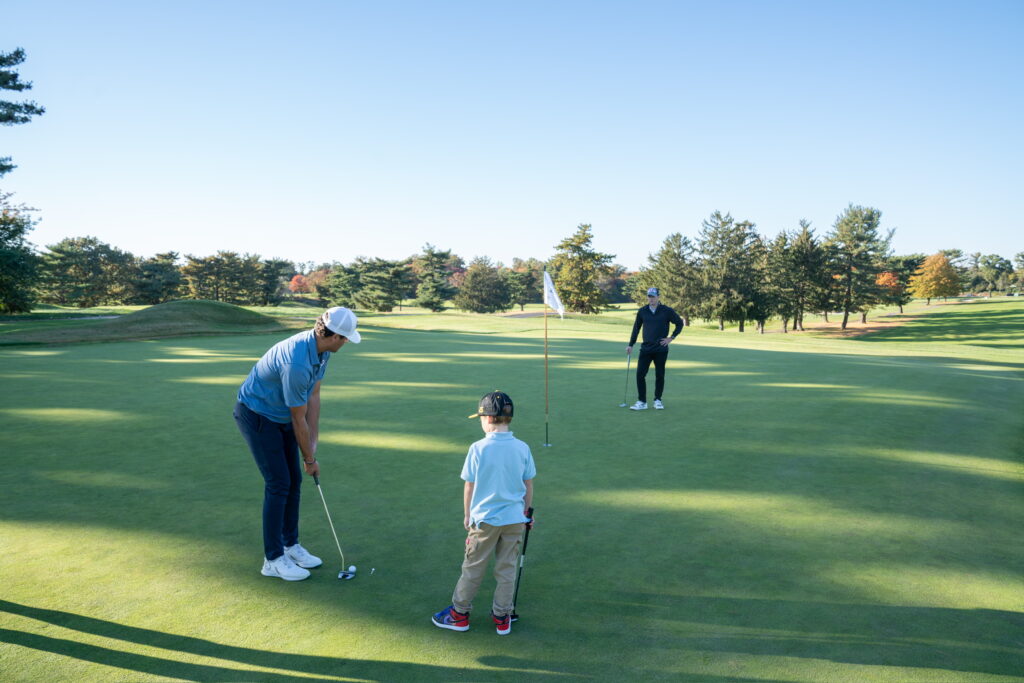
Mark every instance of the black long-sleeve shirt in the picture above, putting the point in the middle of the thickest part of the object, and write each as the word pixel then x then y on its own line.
pixel 655 327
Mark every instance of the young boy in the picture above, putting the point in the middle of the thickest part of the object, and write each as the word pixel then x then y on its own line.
pixel 499 474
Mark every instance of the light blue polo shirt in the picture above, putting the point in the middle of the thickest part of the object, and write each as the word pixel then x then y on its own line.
pixel 498 465
pixel 284 378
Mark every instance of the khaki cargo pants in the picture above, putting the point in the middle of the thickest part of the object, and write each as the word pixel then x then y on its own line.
pixel 485 540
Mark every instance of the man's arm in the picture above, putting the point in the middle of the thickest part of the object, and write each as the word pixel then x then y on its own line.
pixel 467 500
pixel 636 331
pixel 302 436
pixel 313 417
pixel 678 323
pixel 528 498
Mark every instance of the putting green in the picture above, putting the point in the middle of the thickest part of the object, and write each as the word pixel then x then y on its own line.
pixel 805 509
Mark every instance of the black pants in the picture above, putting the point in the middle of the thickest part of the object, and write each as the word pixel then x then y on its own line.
pixel 643 364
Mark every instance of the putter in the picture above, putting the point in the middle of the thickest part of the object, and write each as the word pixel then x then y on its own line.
pixel 346 574
pixel 522 559
pixel 625 388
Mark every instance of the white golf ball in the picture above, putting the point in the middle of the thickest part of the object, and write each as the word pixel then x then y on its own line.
pixel 352 568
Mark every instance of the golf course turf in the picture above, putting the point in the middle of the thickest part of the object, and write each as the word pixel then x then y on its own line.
pixel 805 509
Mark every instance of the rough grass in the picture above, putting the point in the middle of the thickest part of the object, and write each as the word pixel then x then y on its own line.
pixel 805 509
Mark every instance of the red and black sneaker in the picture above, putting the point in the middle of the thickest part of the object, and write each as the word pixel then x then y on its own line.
pixel 502 624
pixel 449 618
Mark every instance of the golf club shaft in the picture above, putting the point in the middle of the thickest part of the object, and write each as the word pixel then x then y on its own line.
pixel 316 480
pixel 625 387
pixel 522 559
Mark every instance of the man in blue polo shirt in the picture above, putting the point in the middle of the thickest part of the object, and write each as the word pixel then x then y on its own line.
pixel 278 413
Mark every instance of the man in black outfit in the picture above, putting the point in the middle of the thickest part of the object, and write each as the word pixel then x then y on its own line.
pixel 654 318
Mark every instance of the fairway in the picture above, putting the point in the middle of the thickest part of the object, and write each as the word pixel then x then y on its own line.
pixel 805 509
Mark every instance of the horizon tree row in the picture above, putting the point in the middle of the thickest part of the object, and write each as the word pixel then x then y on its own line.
pixel 729 274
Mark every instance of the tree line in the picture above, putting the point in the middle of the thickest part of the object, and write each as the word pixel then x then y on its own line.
pixel 729 274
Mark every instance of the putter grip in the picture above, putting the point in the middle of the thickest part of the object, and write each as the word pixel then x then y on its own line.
pixel 529 513
pixel 316 480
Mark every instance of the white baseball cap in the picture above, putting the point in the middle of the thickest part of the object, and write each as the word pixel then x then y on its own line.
pixel 340 320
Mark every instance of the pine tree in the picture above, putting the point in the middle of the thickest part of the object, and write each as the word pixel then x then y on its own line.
pixel 84 272
pixel 858 254
pixel 674 271
pixel 14 113
pixel 727 269
pixel 483 290
pixel 272 275
pixel 576 267
pixel 382 283
pixel 159 279
pixel 432 269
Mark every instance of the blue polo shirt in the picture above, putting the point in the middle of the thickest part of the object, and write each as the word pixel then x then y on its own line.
pixel 498 465
pixel 284 378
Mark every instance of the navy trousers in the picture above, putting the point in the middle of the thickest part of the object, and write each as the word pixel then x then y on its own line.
pixel 643 364
pixel 276 453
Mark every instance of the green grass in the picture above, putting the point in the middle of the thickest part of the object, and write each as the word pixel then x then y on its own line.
pixel 805 509
pixel 173 319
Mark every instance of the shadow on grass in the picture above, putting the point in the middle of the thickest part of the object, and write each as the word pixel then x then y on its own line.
pixel 965 640
pixel 994 328
pixel 740 421
pixel 294 664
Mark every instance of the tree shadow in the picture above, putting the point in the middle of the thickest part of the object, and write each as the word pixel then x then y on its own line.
pixel 956 325
pixel 309 666
pixel 974 640
pixel 740 421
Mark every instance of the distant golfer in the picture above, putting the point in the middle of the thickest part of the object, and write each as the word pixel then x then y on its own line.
pixel 498 472
pixel 654 318
pixel 278 413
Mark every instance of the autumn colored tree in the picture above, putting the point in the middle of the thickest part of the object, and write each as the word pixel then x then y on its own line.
pixel 936 277
pixel 299 284
pixel 890 288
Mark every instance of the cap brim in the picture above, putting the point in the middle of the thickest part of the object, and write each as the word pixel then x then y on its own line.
pixel 355 338
pixel 474 415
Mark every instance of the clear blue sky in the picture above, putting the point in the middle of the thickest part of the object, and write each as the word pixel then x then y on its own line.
pixel 321 131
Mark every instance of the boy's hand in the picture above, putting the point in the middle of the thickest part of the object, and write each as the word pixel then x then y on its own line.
pixel 528 513
pixel 465 523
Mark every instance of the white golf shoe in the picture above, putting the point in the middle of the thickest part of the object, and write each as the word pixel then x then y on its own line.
pixel 639 405
pixel 283 568
pixel 658 405
pixel 302 557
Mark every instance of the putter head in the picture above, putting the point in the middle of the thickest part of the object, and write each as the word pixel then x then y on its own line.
pixel 622 405
pixel 346 575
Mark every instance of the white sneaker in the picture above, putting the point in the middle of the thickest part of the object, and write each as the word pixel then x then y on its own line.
pixel 282 567
pixel 302 557
pixel 639 405
pixel 658 405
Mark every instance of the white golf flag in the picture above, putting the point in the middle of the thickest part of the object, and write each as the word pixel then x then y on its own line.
pixel 551 296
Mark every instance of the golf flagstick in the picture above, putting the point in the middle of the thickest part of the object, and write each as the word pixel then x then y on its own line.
pixel 522 560
pixel 551 301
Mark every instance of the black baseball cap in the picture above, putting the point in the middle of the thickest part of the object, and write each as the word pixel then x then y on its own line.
pixel 494 404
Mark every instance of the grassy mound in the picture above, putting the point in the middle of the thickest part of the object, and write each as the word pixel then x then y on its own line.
pixel 172 319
